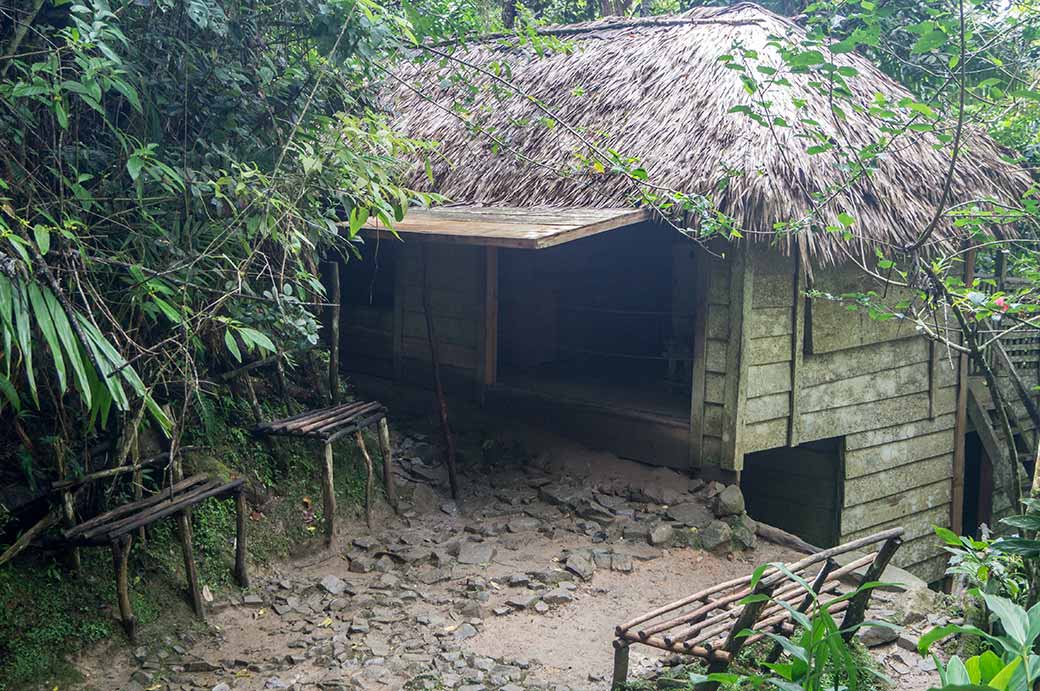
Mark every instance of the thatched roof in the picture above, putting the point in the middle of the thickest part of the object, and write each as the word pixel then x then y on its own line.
pixel 655 89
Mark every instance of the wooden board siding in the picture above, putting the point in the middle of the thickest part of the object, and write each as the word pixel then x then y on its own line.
pixel 772 327
pixel 455 277
pixel 831 326
pixel 878 385
pixel 715 347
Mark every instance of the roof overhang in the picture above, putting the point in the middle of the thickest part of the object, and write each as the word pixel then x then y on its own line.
pixel 508 226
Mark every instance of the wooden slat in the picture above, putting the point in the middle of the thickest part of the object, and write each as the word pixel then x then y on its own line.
pixel 508 226
pixel 176 506
pixel 105 529
pixel 123 510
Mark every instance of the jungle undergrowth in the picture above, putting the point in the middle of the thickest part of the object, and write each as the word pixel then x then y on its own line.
pixel 50 613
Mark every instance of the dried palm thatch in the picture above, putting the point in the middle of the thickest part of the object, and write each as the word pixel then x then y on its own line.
pixel 655 89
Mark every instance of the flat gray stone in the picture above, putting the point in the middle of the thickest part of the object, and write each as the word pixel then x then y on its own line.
pixel 580 565
pixel 333 585
pixel 660 534
pixel 476 553
pixel 717 534
pixel 691 513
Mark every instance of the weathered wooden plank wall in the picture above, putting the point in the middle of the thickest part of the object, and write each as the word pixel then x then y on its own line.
pixel 717 330
pixel 876 384
pixel 455 278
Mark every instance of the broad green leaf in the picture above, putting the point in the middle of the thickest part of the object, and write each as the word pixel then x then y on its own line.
pixel 43 320
pixel 9 392
pixel 23 331
pixel 232 345
pixel 1012 617
pixel 42 237
pixel 1002 679
pixel 70 343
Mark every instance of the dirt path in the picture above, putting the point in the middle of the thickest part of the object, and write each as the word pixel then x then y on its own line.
pixel 520 591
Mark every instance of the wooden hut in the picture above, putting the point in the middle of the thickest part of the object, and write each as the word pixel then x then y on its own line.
pixel 555 298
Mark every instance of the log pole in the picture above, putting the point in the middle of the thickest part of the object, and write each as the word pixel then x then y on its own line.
pixel 360 439
pixel 328 496
pixel 241 572
pixel 334 300
pixel 435 360
pixel 388 462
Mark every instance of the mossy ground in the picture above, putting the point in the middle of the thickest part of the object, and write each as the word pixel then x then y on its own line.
pixel 48 613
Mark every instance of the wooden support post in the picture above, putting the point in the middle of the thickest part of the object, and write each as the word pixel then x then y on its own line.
pixel 334 300
pixel 807 601
pixel 489 363
pixel 190 572
pixel 360 439
pixel 137 478
pixel 734 642
pixel 858 605
pixel 388 462
pixel 960 425
pixel 121 564
pixel 67 504
pixel 794 419
pixel 435 361
pixel 328 492
pixel 740 295
pixel 698 368
pixel 620 676
pixel 241 516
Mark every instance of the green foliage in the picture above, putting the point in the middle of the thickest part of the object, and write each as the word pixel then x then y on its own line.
pixel 173 173
pixel 984 564
pixel 1012 662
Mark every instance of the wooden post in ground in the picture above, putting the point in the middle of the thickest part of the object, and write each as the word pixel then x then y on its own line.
pixel 334 299
pixel 435 360
pixel 620 676
pixel 328 491
pixel 68 505
pixel 360 439
pixel 734 642
pixel 388 462
pixel 960 425
pixel 241 573
pixel 121 565
pixel 190 572
pixel 858 605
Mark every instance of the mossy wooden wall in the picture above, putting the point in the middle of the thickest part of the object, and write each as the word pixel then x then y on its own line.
pixel 843 375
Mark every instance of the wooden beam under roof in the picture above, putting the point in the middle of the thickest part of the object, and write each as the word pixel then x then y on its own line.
pixel 497 226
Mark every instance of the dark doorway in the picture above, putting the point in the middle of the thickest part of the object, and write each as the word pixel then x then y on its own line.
pixel 978 485
pixel 800 489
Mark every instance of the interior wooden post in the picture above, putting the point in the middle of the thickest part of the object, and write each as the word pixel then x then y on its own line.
pixel 489 365
pixel 960 425
pixel 241 568
pixel 328 496
pixel 334 298
pixel 388 462
pixel 190 572
pixel 121 565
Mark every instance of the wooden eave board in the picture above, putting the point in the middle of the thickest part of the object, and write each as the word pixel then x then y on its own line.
pixel 534 228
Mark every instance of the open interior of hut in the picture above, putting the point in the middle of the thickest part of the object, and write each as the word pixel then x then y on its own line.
pixel 606 320
pixel 798 489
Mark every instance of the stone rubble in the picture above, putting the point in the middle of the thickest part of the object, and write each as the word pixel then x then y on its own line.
pixel 380 623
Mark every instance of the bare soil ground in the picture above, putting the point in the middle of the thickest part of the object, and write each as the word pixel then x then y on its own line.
pixel 469 598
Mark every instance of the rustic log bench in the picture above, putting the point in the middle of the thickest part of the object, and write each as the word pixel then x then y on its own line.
pixel 329 424
pixel 116 528
pixel 707 624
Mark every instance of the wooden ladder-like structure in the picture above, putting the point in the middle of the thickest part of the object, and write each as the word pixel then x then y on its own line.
pixel 709 624
pixel 1023 414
